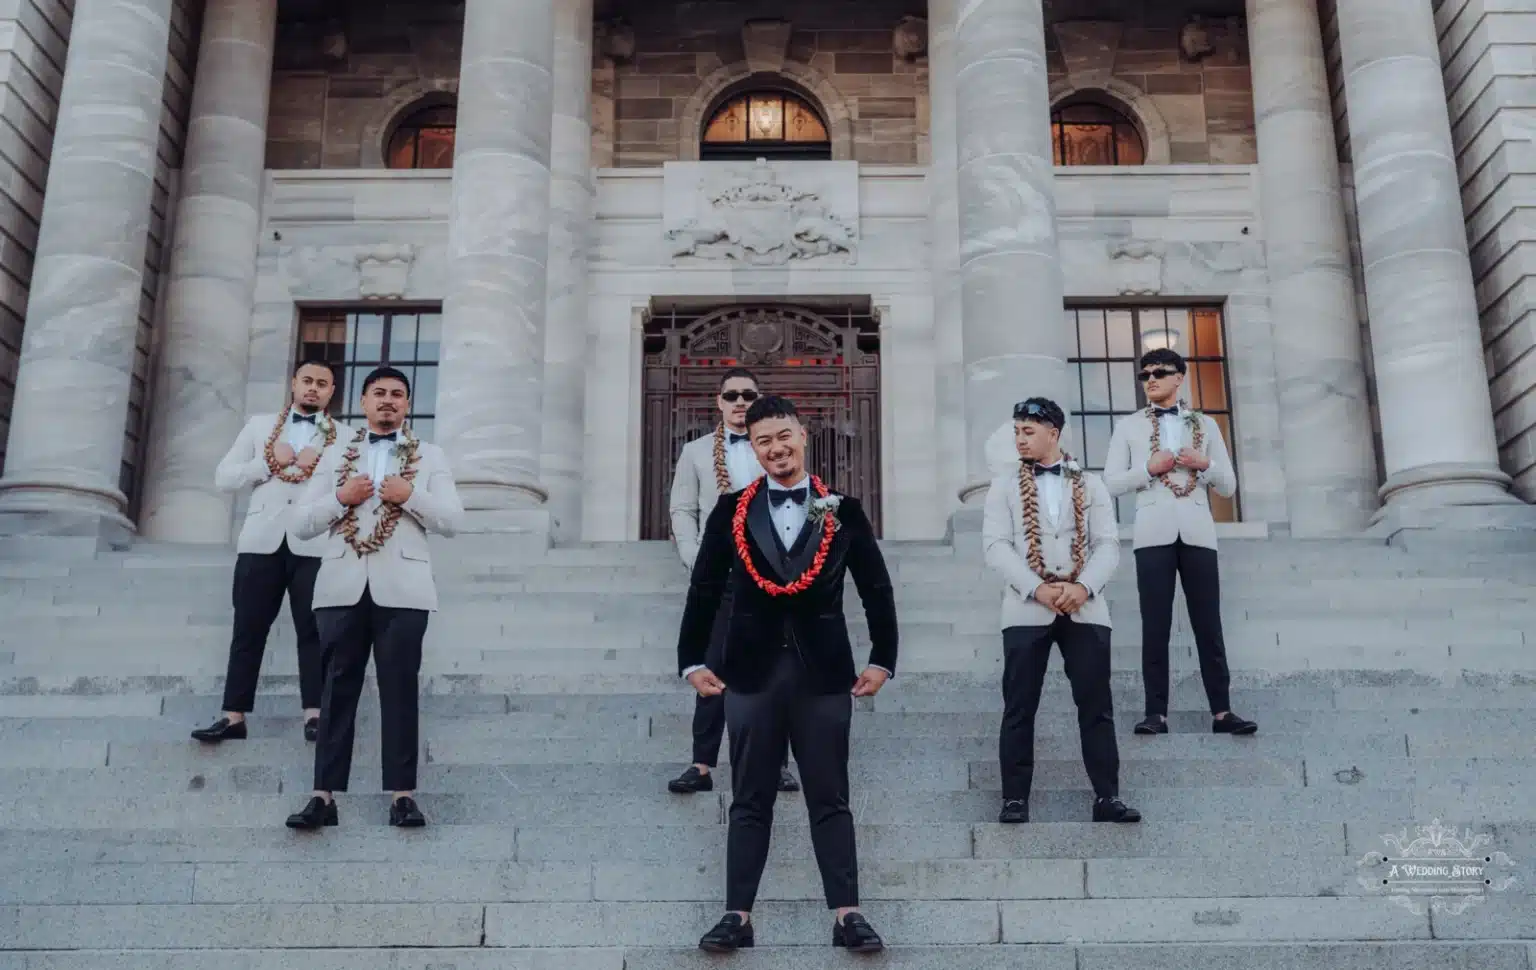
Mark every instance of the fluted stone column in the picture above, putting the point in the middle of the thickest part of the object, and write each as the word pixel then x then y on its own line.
pixel 66 441
pixel 1330 461
pixel 944 253
pixel 566 341
pixel 491 380
pixel 1015 342
pixel 200 392
pixel 1436 414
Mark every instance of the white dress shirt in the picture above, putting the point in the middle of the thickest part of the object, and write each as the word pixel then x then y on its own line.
pixel 1171 430
pixel 1050 488
pixel 740 461
pixel 377 459
pixel 300 434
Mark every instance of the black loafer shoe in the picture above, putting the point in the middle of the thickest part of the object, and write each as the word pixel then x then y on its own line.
pixel 312 729
pixel 787 781
pixel 221 730
pixel 314 815
pixel 854 934
pixel 1152 725
pixel 1232 724
pixel 1015 811
pixel 404 814
pixel 1114 810
pixel 690 781
pixel 728 936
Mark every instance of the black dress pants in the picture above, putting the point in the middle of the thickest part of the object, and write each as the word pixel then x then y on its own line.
pixel 709 712
pixel 785 713
pixel 1085 655
pixel 259 584
pixel 1196 569
pixel 394 637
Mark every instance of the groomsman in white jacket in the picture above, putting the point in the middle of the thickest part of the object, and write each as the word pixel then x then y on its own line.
pixel 276 453
pixel 1171 456
pixel 717 464
pixel 374 498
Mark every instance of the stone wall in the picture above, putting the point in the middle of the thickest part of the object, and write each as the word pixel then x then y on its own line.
pixel 34 35
pixel 340 83
pixel 1488 46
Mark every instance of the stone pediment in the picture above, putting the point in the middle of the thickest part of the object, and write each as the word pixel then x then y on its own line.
pixel 762 213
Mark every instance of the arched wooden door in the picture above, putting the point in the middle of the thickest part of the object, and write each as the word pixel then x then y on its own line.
pixel 827 363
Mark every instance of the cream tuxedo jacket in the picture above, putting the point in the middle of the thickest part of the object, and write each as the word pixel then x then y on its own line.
pixel 1005 546
pixel 267 522
pixel 1163 518
pixel 400 574
pixel 694 493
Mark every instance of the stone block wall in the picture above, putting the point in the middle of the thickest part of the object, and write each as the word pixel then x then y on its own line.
pixel 1488 47
pixel 34 36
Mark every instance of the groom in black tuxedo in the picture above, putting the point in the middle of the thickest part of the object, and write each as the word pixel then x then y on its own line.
pixel 782 547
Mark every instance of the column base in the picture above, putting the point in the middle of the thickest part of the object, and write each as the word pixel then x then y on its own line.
pixel 964 532
pixel 511 533
pixel 49 520
pixel 500 496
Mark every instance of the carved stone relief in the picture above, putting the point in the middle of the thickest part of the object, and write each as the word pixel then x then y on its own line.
pixel 1138 266
pixel 910 39
pixel 754 214
pixel 384 271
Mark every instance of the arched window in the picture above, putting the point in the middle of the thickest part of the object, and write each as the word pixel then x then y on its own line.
pixel 1091 133
pixel 765 124
pixel 424 139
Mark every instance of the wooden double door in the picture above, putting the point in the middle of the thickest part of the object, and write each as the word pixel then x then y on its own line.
pixel 826 361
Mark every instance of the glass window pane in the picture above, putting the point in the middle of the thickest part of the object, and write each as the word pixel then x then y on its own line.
pixel 424 428
pixel 1128 147
pixel 424 391
pixel 402 149
pixel 1095 387
pixel 1090 334
pixel 368 343
pixel 1210 392
pixel 1075 389
pixel 1207 334
pixel 430 335
pixel 1122 385
pixel 1121 334
pixel 436 148
pixel 1095 445
pixel 402 336
pixel 765 118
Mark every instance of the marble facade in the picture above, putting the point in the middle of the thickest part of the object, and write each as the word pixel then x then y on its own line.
pixel 566 218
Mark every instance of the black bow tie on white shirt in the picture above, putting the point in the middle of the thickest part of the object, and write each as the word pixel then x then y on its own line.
pixel 1047 470
pixel 1162 411
pixel 732 437
pixel 303 418
pixel 782 495
pixel 392 436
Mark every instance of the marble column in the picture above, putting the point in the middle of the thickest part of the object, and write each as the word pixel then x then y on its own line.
pixel 944 251
pixel 566 340
pixel 1330 461
pixel 200 389
pixel 1015 341
pixel 1432 385
pixel 72 390
pixel 491 379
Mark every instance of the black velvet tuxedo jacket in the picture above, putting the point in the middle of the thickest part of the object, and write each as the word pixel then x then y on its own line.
pixel 812 619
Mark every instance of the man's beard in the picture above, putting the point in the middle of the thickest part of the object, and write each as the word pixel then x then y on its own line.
pixel 387 420
pixel 307 408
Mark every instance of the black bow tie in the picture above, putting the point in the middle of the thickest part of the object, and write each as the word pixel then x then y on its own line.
pixel 733 437
pixel 304 418
pixel 392 436
pixel 1048 469
pixel 782 495
pixel 1162 411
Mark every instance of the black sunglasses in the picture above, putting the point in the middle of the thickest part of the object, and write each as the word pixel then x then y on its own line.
pixel 1028 409
pixel 731 397
pixel 1157 372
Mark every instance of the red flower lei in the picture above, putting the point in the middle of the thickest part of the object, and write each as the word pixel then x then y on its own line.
pixel 739 531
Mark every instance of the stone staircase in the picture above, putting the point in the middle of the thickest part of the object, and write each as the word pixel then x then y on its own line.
pixel 1393 686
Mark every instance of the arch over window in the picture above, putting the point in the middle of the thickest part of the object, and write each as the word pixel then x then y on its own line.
pixel 1087 131
pixel 424 138
pixel 765 124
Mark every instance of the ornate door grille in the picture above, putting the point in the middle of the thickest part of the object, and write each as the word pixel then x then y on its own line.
pixel 828 364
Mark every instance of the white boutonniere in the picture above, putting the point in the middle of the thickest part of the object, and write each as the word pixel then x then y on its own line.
pixel 1071 467
pixel 825 507
pixel 1192 419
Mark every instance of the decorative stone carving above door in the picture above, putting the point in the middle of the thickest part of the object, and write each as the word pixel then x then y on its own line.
pixel 761 214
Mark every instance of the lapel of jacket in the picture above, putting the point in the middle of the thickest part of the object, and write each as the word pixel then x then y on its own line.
pixel 760 524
